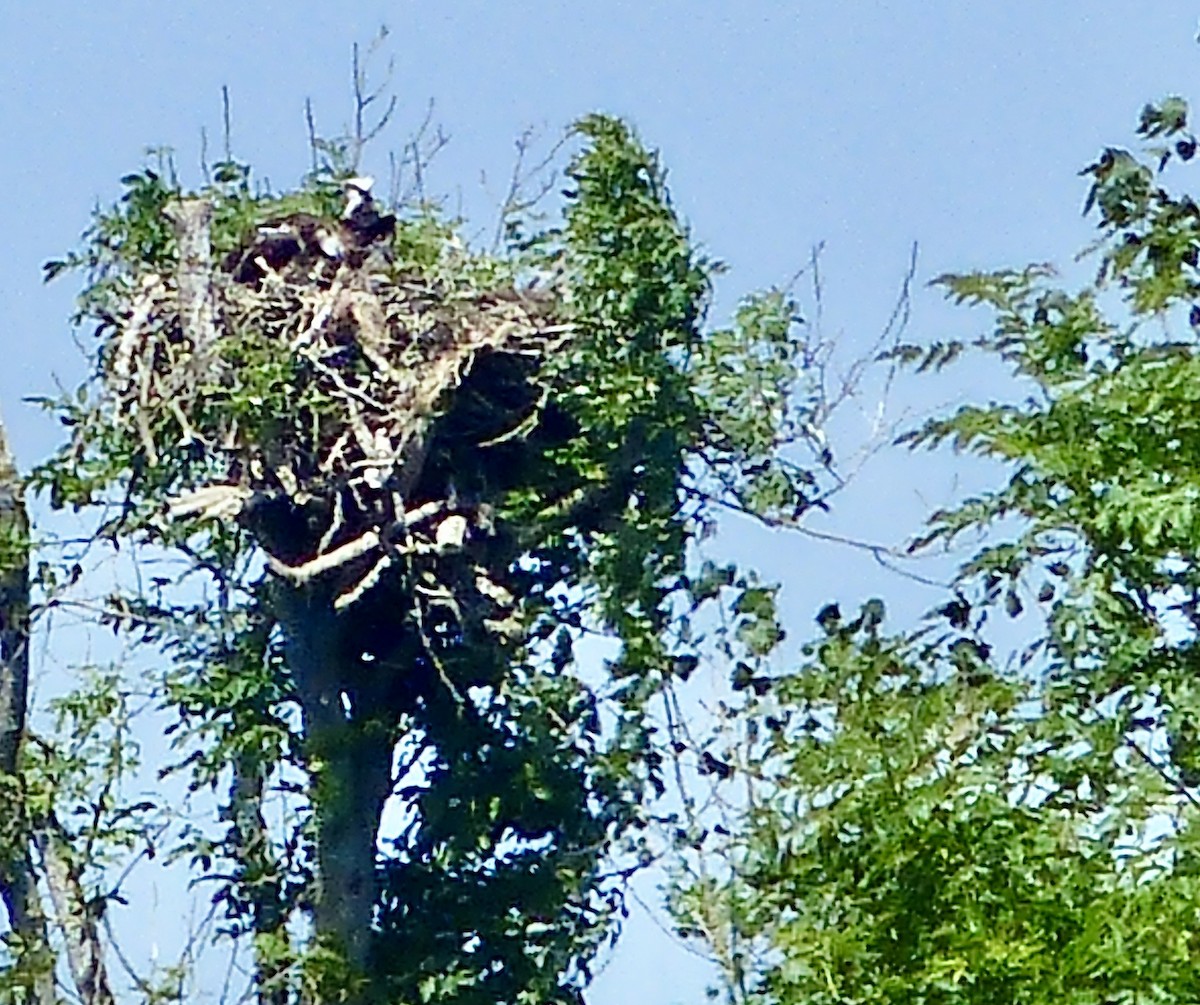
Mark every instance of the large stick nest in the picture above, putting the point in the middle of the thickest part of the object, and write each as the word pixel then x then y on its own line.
pixel 315 393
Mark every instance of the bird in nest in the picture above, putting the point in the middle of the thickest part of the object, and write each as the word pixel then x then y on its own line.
pixel 302 242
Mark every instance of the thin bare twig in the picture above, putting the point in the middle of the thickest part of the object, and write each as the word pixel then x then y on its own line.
pixel 227 122
pixel 1162 772
pixel 364 132
pixel 314 142
pixel 516 199
pixel 884 554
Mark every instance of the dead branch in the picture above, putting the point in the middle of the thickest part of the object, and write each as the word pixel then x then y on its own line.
pixel 192 218
pixel 75 914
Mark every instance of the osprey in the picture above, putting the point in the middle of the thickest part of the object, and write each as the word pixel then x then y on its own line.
pixel 304 241
pixel 362 224
pixel 299 238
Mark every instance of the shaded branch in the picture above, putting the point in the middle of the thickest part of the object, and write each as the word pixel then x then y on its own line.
pixel 75 914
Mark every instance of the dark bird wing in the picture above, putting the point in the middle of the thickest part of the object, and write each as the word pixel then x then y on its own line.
pixel 365 225
pixel 299 238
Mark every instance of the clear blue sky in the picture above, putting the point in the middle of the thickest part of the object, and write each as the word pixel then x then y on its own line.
pixel 867 125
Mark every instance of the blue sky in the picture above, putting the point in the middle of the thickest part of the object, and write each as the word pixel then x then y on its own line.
pixel 866 125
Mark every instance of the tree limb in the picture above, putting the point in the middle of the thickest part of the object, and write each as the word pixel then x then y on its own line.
pixel 75 914
pixel 18 883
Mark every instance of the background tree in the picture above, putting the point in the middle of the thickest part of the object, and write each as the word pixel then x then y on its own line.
pixel 922 819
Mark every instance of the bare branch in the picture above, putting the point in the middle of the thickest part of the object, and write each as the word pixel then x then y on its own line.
pixel 192 219
pixel 227 122
pixel 363 131
pixel 75 913
pixel 517 198
pixel 314 142
pixel 885 555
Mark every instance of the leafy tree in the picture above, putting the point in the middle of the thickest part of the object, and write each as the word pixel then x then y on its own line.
pixel 391 493
pixel 899 842
pixel 923 821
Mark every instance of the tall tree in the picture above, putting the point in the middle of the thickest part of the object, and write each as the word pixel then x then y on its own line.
pixel 401 480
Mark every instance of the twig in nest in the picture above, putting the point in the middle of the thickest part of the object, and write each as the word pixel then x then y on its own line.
pixel 356 592
pixel 213 502
pixel 361 545
pixel 336 523
pixel 301 574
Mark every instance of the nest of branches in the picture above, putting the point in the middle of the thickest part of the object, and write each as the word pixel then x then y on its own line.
pixel 312 405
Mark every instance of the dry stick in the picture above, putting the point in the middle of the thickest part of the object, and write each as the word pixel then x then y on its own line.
pixel 314 143
pixel 361 545
pixel 363 99
pixel 227 122
pixel 192 219
pixel 75 913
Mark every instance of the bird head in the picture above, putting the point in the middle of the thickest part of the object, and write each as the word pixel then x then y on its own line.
pixel 358 191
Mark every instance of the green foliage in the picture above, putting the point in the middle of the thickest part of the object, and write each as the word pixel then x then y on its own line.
pixel 84 779
pixel 1105 477
pixel 1105 484
pixel 898 842
pixel 23 968
pixel 753 378
pixel 922 824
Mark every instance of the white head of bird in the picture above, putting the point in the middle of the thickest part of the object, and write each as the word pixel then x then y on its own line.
pixel 358 192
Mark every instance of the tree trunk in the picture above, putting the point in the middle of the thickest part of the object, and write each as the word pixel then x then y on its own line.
pixel 14 610
pixel 348 752
pixel 253 843
pixel 192 219
pixel 349 758
pixel 18 883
